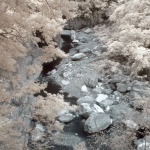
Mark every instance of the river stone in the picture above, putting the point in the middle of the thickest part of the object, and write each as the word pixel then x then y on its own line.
pixel 131 124
pixel 138 104
pixel 40 127
pixel 66 118
pixel 122 111
pixel 107 91
pixel 62 112
pixel 113 86
pixel 97 122
pixel 37 134
pixel 78 56
pixel 65 141
pixel 84 88
pixel 137 86
pixel 134 95
pixel 117 94
pixel 85 110
pixel 66 74
pixel 121 87
pixel 105 103
pixel 117 78
pixel 97 48
pixel 91 82
pixel 52 72
pixel 65 33
pixel 15 101
pixel 83 39
pixel 97 109
pixel 85 99
pixel 85 50
pixel 101 97
pixel 143 144
pixel 65 82
pixel 73 35
pixel 75 41
pixel 88 31
pixel 97 90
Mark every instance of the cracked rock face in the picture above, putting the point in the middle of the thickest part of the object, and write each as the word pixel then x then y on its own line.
pixel 97 122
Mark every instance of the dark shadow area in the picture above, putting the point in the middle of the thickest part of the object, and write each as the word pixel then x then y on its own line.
pixel 76 126
pixel 49 66
pixel 66 45
pixel 71 100
pixel 42 43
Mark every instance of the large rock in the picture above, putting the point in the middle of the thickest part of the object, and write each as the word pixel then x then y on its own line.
pixel 107 91
pixel 91 82
pixel 137 86
pixel 65 141
pixel 62 112
pixel 85 50
pixel 85 99
pixel 88 31
pixel 122 111
pixel 38 133
pixel 84 89
pixel 131 124
pixel 65 33
pixel 52 72
pixel 117 78
pixel 64 82
pixel 85 110
pixel 73 35
pixel 83 39
pixel 78 56
pixel 97 122
pixel 67 74
pixel 121 87
pixel 143 144
pixel 97 90
pixel 97 109
pixel 138 104
pixel 66 118
pixel 89 45
pixel 117 94
pixel 101 97
pixel 105 103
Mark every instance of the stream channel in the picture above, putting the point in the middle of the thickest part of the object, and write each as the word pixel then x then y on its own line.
pixel 76 126
pixel 104 100
pixel 102 96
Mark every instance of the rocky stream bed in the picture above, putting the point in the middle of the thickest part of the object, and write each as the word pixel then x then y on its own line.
pixel 103 101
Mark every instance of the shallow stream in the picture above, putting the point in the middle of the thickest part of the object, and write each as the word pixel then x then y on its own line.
pixel 76 126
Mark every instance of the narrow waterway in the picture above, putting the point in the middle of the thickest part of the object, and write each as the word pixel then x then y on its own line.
pixel 76 126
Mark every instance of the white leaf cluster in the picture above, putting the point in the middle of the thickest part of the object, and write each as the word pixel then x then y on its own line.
pixel 132 36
